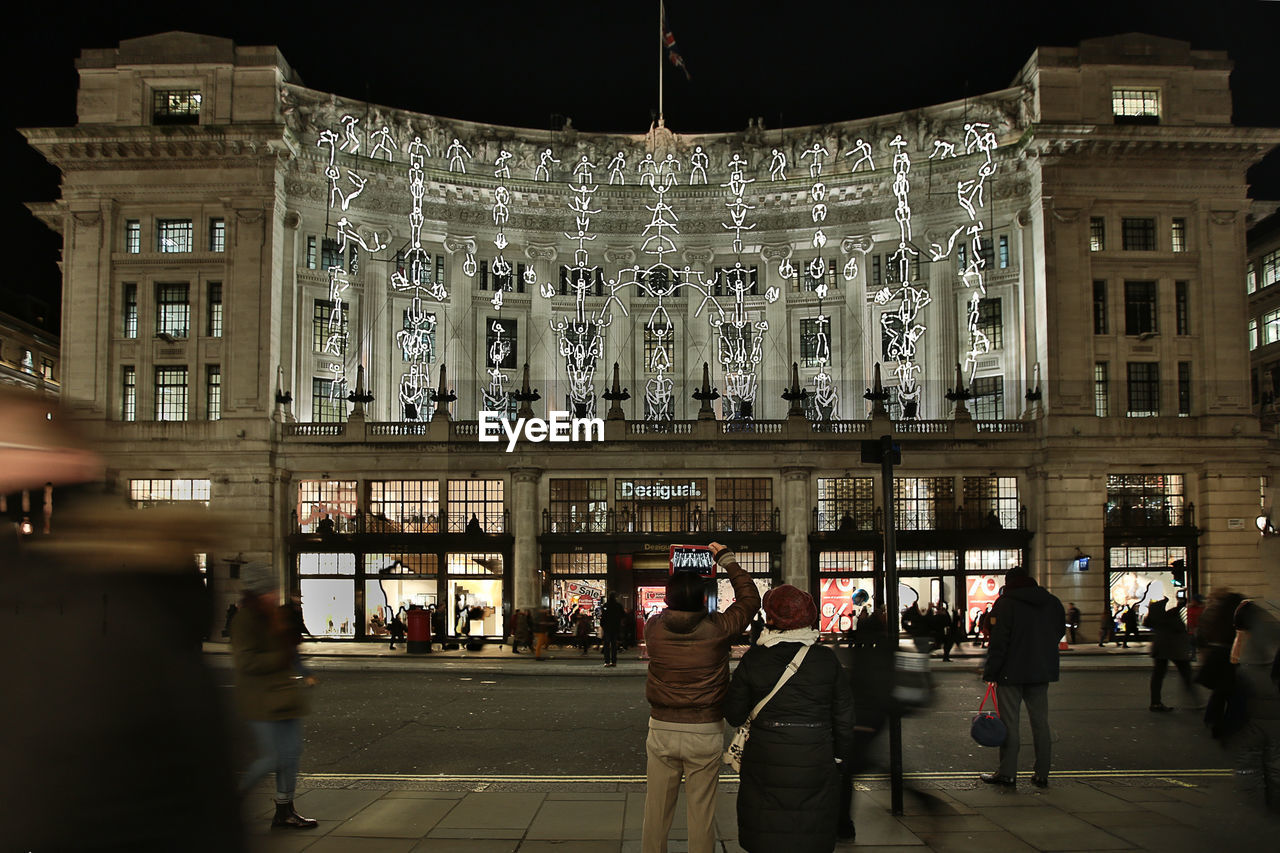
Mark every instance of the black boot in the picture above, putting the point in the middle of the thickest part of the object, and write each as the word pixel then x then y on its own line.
pixel 287 817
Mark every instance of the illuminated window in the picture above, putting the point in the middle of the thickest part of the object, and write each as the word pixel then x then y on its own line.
pixel 1135 106
pixel 1253 333
pixel 171 393
pixel 129 394
pixel 217 235
pixel 175 106
pixel 1004 251
pixel 1271 268
pixel 991 321
pixel 213 392
pixel 1178 235
pixel 213 323
pixel 46 368
pixel 579 564
pixel 1097 234
pixel 426 338
pixel 1145 500
pixel 811 354
pixel 1101 390
pixel 311 252
pixel 328 401
pixel 481 498
pixel 1144 389
pixel 1138 234
pixel 508 347
pixel 404 506
pixel 653 345
pixel 1271 327
pixel 129 309
pixel 579 505
pixel 650 505
pixel 744 503
pixel 173 310
pixel 132 236
pixel 846 503
pixel 152 492
pixel 923 503
pixel 1250 278
pixel 174 235
pixel 985 495
pixel 328 333
pixel 333 498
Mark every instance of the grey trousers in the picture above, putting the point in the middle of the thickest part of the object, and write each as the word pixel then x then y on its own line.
pixel 1011 697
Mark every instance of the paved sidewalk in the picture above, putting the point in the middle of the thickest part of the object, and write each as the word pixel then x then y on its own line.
pixel 1169 813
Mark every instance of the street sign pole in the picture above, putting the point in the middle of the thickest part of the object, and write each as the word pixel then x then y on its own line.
pixel 888 454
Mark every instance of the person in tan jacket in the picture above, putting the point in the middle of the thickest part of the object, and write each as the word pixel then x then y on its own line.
pixel 687 683
pixel 270 688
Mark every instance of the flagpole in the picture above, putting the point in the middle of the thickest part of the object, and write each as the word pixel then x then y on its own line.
pixel 661 50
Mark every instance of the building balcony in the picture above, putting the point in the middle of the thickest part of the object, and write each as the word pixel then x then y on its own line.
pixel 710 522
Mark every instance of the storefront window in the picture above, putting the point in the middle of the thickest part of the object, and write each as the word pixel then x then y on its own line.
pixel 475 593
pixel 744 503
pixel 923 503
pixel 981 592
pixel 393 584
pixel 579 506
pixel 754 563
pixel 847 589
pixel 1141 574
pixel 329 607
pixel 481 498
pixel 404 506
pixel 326 564
pixel 660 505
pixel 334 499
pixel 992 560
pixel 569 597
pixel 846 503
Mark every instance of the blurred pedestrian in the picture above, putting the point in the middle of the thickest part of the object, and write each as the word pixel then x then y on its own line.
pixel 1257 654
pixel 522 635
pixel 439 625
pixel 397 629
pixel 611 623
pixel 543 623
pixel 1130 622
pixel 583 625
pixel 687 682
pixel 942 628
pixel 789 784
pixel 1215 634
pixel 1169 642
pixel 1026 623
pixel 231 614
pixel 114 736
pixel 1073 623
pixel 870 670
pixel 269 688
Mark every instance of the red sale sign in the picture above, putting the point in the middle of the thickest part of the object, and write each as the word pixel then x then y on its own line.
pixel 837 604
pixel 982 591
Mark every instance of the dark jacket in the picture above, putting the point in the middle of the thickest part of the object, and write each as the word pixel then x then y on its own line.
pixel 268 685
pixel 789 783
pixel 1169 637
pixel 1026 624
pixel 611 618
pixel 689 653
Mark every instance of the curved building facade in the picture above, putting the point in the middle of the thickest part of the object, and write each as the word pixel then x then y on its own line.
pixel 313 313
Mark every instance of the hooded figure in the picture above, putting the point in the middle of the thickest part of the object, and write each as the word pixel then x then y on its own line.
pixel 1027 622
pixel 789 788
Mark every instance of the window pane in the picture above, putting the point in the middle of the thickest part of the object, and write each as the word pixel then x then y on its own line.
pixel 128 394
pixel 1139 307
pixel 133 236
pixel 846 503
pixel 175 106
pixel 1138 234
pixel 481 498
pixel 173 311
pixel 213 389
pixel 1144 389
pixel 174 235
pixel 217 235
pixel 1101 391
pixel 214 325
pixel 404 506
pixel 335 499
pixel 1097 234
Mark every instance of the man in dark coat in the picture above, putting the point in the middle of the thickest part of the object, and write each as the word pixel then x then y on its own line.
pixel 688 679
pixel 1026 622
pixel 611 626
pixel 1169 642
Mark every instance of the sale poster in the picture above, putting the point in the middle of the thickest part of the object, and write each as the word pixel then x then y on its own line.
pixel 980 593
pixel 836 607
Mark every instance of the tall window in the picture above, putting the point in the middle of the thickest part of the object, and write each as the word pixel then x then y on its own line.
pixel 876 277
pixel 129 309
pixel 171 393
pixel 145 493
pixel 1139 307
pixel 510 358
pixel 217 235
pixel 173 311
pixel 1182 302
pixel 174 235
pixel 988 398
pixel 213 392
pixel 1178 235
pixel 214 319
pixel 329 254
pixel 404 506
pixel 1145 500
pixel 132 236
pixel 322 339
pixel 1271 327
pixel 923 503
pixel 328 401
pixel 986 495
pixel 579 505
pixel 481 498
pixel 1100 308
pixel 1271 268
pixel 1097 234
pixel 1184 388
pixel 744 503
pixel 809 340
pixel 991 321
pixel 727 278
pixel 175 106
pixel 1004 251
pixel 1144 389
pixel 1253 333
pixel 128 393
pixel 311 252
pixel 1101 390
pixel 333 498
pixel 1138 234
pixel 846 503
pixel 1135 106
pixel 651 347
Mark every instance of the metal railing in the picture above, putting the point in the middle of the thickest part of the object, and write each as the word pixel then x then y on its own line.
pixel 613 521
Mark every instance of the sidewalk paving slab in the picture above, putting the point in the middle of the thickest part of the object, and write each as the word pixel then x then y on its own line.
pixel 568 820
pixel 397 818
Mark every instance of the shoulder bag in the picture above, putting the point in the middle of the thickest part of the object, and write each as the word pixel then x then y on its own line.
pixel 733 755
pixel 987 728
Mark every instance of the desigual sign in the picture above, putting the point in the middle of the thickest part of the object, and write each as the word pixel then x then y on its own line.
pixel 662 490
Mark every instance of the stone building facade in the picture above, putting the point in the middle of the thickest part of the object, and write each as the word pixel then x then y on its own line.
pixel 294 307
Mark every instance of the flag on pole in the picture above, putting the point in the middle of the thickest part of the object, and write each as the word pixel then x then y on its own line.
pixel 669 41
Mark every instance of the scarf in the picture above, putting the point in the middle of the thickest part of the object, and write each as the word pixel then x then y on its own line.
pixel 770 637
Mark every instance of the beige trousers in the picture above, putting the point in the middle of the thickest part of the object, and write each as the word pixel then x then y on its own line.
pixel 693 750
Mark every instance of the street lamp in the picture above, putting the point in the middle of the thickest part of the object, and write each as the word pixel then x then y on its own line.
pixel 1265 527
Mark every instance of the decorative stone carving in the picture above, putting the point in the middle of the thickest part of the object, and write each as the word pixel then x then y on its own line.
pixel 857 243
pixel 1222 217
pixel 620 254
pixel 454 244
pixel 698 255
pixel 540 252
pixel 775 252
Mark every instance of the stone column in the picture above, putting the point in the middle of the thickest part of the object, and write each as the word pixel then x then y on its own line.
pixel 699 346
pixel 775 369
pixel 795 524
pixel 524 527
pixel 542 350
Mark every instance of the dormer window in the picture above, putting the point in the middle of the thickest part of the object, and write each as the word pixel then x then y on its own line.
pixel 1135 106
pixel 175 106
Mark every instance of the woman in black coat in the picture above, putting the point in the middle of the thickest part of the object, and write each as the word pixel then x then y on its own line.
pixel 789 789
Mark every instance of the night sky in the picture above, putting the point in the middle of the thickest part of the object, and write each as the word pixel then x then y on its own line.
pixel 534 64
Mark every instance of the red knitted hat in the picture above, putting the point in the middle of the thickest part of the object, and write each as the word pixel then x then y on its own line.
pixel 787 607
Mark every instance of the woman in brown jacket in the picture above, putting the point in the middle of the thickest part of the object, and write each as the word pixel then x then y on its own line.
pixel 270 688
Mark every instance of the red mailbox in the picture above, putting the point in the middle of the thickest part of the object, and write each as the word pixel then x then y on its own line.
pixel 419 631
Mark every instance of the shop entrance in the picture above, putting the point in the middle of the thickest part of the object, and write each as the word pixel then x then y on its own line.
pixel 475 594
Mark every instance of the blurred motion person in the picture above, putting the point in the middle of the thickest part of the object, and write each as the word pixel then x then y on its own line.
pixel 114 735
pixel 1256 652
pixel 270 688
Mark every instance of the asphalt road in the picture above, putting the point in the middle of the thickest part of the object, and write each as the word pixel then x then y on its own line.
pixel 461 723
